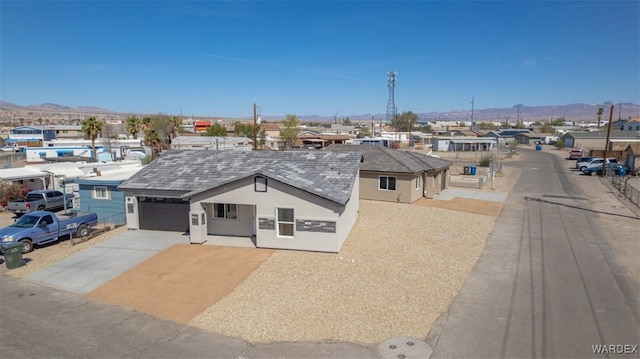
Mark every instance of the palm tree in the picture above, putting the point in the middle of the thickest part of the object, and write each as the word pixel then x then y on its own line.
pixel 600 112
pixel 176 122
pixel 92 128
pixel 146 124
pixel 133 126
pixel 152 139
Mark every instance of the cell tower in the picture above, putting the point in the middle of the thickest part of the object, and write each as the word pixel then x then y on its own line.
pixel 391 105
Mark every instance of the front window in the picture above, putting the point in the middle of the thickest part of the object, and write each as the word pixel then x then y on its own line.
pixel 418 182
pixel 285 222
pixel 100 192
pixel 225 211
pixel 387 183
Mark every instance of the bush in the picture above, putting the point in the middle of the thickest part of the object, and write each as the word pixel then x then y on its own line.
pixel 11 191
pixel 485 161
pixel 560 145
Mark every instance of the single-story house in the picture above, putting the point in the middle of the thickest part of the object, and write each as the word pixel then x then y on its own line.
pixel 528 138
pixel 463 143
pixel 632 125
pixel 387 174
pixel 315 140
pixel 302 200
pixel 43 154
pixel 596 139
pixel 99 193
pixel 217 143
pixel 506 135
pixel 632 153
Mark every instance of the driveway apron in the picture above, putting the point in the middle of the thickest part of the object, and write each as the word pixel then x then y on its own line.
pixel 99 264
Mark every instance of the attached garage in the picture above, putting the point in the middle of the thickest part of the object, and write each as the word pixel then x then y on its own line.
pixel 163 214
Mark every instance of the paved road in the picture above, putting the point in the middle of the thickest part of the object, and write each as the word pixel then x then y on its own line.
pixel 42 322
pixel 549 282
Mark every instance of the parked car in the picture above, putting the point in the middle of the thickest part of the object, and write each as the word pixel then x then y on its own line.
pixel 582 161
pixel 575 154
pixel 595 162
pixel 41 200
pixel 611 169
pixel 42 227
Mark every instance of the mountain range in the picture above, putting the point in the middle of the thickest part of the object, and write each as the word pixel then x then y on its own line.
pixel 571 112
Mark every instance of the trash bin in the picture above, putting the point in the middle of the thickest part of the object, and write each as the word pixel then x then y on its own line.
pixel 473 170
pixel 538 147
pixel 622 172
pixel 12 254
pixel 467 170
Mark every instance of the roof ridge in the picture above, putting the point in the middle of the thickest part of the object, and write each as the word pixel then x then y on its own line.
pixel 390 151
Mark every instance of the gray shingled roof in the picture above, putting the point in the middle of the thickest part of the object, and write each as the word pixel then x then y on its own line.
pixel 384 159
pixel 325 174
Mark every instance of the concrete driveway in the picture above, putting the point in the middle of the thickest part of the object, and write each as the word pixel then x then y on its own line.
pixel 103 262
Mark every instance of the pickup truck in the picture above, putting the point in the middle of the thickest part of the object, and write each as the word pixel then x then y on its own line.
pixel 41 200
pixel 575 154
pixel 41 227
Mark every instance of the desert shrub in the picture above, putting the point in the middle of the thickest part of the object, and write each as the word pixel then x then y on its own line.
pixel 485 160
pixel 560 145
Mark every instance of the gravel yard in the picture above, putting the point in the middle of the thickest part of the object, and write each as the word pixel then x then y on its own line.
pixel 397 272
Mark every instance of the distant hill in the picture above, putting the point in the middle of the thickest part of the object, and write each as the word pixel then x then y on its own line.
pixel 573 112
pixel 52 107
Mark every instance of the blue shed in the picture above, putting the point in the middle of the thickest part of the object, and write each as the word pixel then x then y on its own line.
pixel 100 194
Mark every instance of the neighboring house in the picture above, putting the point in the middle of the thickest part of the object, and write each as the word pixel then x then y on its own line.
pixel 463 143
pixel 505 135
pixel 392 175
pixel 53 175
pixel 303 200
pixel 45 154
pixel 632 153
pixel 99 193
pixel 115 148
pixel 310 139
pixel 211 143
pixel 631 125
pixel 35 135
pixel 271 129
pixel 596 139
pixel 529 138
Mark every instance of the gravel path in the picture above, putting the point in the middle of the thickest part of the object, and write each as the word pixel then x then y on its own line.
pixel 397 272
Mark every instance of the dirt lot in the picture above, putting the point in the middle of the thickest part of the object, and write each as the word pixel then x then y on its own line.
pixel 182 281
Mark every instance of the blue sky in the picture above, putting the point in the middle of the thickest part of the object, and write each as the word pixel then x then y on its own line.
pixel 215 58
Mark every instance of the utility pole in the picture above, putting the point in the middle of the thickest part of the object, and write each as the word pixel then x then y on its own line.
pixel 473 124
pixel 606 144
pixel 518 118
pixel 255 128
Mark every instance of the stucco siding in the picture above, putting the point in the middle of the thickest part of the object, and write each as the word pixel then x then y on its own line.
pixel 306 206
pixel 405 191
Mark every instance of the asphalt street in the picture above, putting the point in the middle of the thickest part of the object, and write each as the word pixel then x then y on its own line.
pixel 549 283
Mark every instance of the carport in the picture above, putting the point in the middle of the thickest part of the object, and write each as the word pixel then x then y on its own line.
pixel 25 175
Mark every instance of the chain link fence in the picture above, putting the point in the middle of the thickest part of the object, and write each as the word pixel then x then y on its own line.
pixel 629 187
